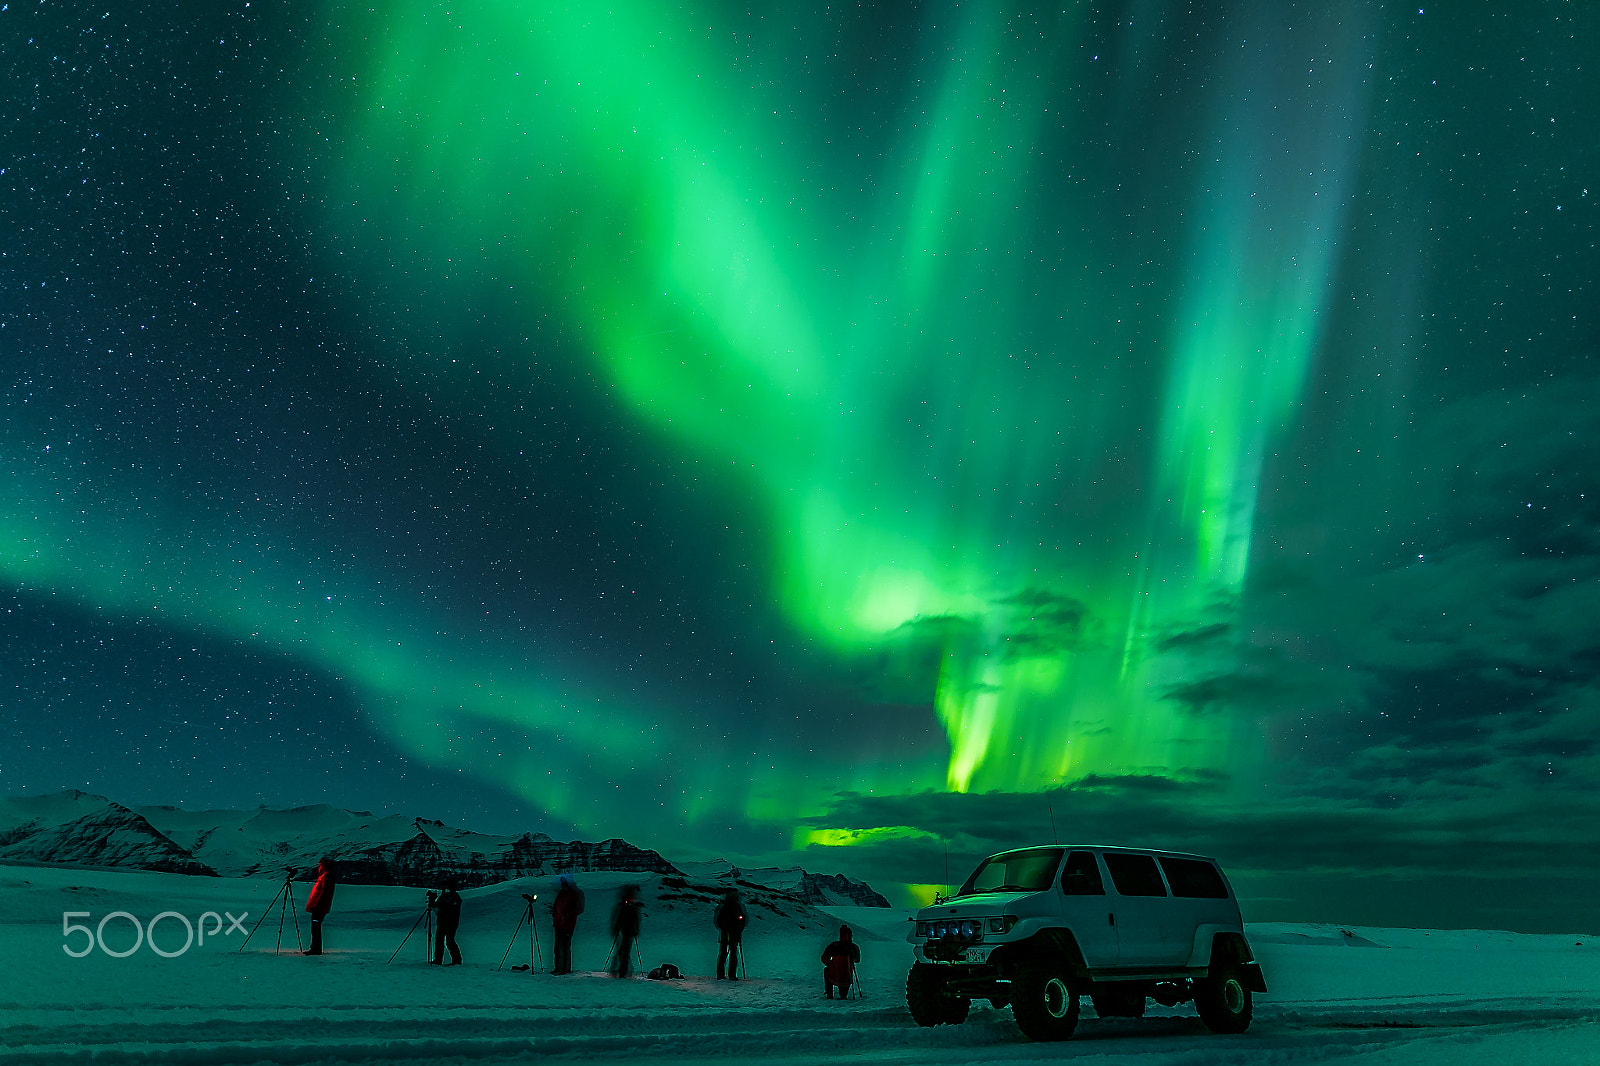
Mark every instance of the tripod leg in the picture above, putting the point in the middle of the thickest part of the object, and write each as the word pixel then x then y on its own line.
pixel 414 925
pixel 508 946
pixel 283 912
pixel 539 950
pixel 264 913
pixel 294 909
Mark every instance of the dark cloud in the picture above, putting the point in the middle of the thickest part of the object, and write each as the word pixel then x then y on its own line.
pixel 1043 623
pixel 1531 836
pixel 1256 680
pixel 1203 637
pixel 1200 779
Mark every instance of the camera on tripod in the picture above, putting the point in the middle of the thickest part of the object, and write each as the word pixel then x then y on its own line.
pixel 535 953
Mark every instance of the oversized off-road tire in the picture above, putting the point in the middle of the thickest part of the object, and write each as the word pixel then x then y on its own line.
pixel 1223 1001
pixel 1125 1000
pixel 929 1002
pixel 1044 1000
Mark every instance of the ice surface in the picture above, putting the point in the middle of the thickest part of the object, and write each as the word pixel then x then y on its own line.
pixel 1383 996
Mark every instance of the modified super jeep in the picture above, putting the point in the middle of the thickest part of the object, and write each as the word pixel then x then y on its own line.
pixel 1037 928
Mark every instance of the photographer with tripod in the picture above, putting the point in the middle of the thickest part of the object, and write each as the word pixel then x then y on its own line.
pixel 564 918
pixel 320 902
pixel 624 930
pixel 839 962
pixel 730 921
pixel 448 907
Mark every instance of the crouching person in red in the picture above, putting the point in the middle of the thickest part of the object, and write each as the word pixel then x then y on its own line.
pixel 320 902
pixel 839 960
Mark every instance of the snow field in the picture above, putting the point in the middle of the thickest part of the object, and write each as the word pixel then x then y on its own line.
pixel 1368 995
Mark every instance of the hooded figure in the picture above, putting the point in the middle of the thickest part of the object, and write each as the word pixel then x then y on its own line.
pixel 564 916
pixel 449 907
pixel 839 961
pixel 730 921
pixel 624 930
pixel 320 902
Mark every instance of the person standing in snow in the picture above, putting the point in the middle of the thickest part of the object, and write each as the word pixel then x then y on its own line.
pixel 624 930
pixel 564 916
pixel 448 906
pixel 320 902
pixel 730 921
pixel 839 961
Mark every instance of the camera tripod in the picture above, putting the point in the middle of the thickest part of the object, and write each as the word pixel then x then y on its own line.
pixel 426 915
pixel 612 960
pixel 534 950
pixel 286 893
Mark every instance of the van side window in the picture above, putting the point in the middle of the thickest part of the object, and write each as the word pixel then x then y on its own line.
pixel 1135 875
pixel 1081 877
pixel 1194 879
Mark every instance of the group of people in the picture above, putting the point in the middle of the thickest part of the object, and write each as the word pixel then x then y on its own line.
pixel 839 959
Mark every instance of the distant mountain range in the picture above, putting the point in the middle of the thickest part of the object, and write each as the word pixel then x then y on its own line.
pixel 88 830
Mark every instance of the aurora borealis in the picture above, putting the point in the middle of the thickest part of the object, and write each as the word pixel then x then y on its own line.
pixel 835 436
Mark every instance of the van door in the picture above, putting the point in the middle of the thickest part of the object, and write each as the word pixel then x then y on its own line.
pixel 1088 910
pixel 1142 909
pixel 1200 895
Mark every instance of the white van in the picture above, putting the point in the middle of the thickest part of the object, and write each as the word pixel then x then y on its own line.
pixel 1036 928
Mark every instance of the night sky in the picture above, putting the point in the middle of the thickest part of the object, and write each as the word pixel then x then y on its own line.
pixel 859 437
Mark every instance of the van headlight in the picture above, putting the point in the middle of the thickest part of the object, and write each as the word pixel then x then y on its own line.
pixel 1003 924
pixel 966 928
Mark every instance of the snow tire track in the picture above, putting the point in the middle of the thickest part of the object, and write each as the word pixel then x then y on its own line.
pixel 884 1036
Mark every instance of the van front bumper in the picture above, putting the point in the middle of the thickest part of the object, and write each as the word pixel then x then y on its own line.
pixel 954 950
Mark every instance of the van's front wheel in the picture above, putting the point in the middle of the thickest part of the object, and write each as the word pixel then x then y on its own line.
pixel 1223 1002
pixel 1044 1000
pixel 929 1002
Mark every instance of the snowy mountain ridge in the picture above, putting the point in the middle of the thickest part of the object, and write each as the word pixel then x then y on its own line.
pixel 84 829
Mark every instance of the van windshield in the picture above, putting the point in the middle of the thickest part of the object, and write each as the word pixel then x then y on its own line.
pixel 1033 870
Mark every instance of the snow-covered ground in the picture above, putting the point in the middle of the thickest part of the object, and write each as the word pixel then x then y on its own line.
pixel 1378 996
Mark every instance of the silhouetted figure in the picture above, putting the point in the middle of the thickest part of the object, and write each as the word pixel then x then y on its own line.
pixel 839 961
pixel 564 916
pixel 448 906
pixel 320 902
pixel 730 920
pixel 624 930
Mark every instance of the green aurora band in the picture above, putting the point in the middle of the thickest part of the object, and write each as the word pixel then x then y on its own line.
pixel 906 385
pixel 924 384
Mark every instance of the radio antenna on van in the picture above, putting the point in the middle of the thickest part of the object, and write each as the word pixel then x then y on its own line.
pixel 1054 838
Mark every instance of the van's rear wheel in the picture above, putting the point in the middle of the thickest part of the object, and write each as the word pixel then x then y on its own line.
pixel 1044 1000
pixel 929 1002
pixel 1223 1001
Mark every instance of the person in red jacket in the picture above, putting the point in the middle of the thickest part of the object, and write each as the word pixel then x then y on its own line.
pixel 564 916
pixel 320 902
pixel 839 961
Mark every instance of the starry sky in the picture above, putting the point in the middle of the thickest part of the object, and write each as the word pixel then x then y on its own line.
pixel 861 436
